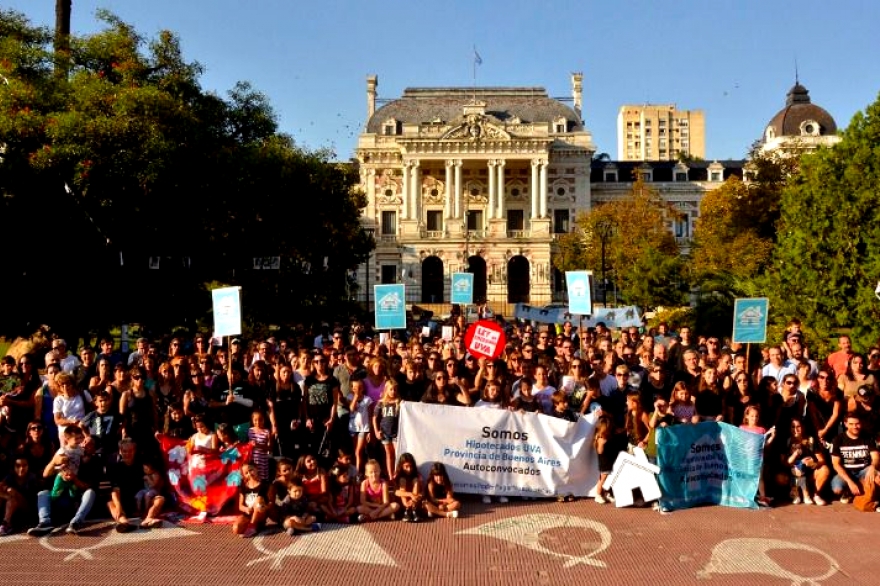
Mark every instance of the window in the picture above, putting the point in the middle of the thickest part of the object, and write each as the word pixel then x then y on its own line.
pixel 389 223
pixel 560 221
pixel 610 177
pixel 682 228
pixel 715 176
pixel 681 176
pixel 475 220
pixel 435 221
pixel 389 274
pixel 515 220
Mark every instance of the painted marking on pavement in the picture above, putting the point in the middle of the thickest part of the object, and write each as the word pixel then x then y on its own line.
pixel 526 531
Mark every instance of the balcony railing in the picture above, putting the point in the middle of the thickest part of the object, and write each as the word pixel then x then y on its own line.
pixel 435 234
pixel 516 233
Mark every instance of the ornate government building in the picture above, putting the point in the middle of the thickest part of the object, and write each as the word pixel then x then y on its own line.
pixel 483 180
pixel 472 179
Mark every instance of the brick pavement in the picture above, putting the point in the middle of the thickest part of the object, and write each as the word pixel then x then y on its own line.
pixel 517 543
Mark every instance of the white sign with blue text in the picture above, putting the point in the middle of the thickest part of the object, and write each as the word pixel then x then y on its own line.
pixel 227 311
pixel 580 295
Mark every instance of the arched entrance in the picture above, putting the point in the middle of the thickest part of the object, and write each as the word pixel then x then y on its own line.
pixel 432 280
pixel 477 267
pixel 518 280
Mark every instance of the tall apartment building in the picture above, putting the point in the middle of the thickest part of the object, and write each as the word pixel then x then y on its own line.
pixel 659 132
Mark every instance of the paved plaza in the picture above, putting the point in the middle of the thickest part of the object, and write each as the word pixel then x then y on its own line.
pixel 517 543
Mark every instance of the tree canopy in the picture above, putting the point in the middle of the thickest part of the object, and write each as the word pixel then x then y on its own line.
pixel 128 155
pixel 826 263
pixel 641 254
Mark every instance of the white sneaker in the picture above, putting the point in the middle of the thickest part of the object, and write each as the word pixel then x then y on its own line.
pixel 487 500
pixel 503 499
pixel 600 499
pixel 808 500
pixel 453 514
pixel 610 497
pixel 796 500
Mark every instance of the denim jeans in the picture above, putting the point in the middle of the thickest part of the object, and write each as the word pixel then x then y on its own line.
pixel 44 506
pixel 838 484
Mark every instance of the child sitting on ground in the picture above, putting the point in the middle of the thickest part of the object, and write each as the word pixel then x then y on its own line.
pixel 408 487
pixel 440 501
pixel 375 502
pixel 342 507
pixel 295 510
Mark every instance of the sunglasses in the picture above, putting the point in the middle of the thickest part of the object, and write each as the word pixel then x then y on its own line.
pixel 35 428
pixel 135 377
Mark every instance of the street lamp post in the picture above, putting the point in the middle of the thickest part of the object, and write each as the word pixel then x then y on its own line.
pixel 369 232
pixel 604 229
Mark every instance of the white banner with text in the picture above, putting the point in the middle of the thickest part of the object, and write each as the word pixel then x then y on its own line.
pixel 499 452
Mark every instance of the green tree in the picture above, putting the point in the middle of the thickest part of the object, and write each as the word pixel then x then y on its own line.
pixel 127 154
pixel 641 255
pixel 826 263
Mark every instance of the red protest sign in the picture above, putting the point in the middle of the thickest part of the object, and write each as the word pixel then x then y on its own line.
pixel 485 339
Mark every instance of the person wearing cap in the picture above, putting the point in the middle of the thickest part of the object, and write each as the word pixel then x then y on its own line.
pixel 863 404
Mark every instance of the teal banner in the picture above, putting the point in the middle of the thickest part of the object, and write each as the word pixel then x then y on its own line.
pixel 709 463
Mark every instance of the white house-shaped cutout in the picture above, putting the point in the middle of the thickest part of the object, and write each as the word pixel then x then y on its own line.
pixel 629 473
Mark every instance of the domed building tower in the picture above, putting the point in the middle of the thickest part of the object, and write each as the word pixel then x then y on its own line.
pixel 801 126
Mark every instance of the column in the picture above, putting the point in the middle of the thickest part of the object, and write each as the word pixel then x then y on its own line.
pixel 499 185
pixel 490 208
pixel 404 210
pixel 416 192
pixel 458 188
pixel 542 212
pixel 536 166
pixel 447 196
pixel 370 180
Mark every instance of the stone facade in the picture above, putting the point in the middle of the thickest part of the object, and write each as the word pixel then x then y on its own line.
pixel 484 179
pixel 472 179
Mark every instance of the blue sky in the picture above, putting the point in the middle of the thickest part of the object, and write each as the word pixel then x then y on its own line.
pixel 734 60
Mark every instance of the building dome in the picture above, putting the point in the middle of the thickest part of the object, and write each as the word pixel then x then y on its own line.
pixel 800 117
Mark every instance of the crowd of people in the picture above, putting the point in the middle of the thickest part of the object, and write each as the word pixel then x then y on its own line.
pixel 321 417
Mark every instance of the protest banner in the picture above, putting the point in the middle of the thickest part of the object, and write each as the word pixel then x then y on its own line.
pixel 203 482
pixel 500 452
pixel 613 317
pixel 485 339
pixel 709 463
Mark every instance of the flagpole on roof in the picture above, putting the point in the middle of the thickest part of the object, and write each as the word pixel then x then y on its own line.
pixel 477 61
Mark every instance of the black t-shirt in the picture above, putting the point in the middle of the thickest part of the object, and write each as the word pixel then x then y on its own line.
pixel 103 429
pixel 129 479
pixel 854 454
pixel 410 390
pixel 251 494
pixel 320 396
pixel 287 404
pixel 708 403
pixel 233 413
